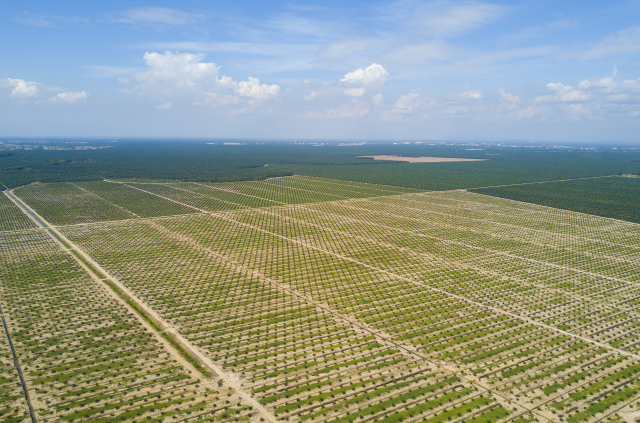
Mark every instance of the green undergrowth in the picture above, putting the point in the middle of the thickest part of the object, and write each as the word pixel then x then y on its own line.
pixel 195 363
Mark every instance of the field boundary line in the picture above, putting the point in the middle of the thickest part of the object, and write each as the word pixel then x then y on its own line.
pixel 17 231
pixel 221 211
pixel 422 256
pixel 556 209
pixel 213 198
pixel 81 257
pixel 440 239
pixel 240 193
pixel 442 291
pixel 218 199
pixel 510 225
pixel 553 208
pixel 23 207
pixel 367 183
pixel 169 199
pixel 470 301
pixel 630 414
pixel 609 243
pixel 379 334
pixel 103 199
pixel 298 189
pixel 532 408
pixel 136 219
pixel 195 193
pixel 462 244
pixel 197 183
pixel 539 182
pixel 16 363
pixel 323 184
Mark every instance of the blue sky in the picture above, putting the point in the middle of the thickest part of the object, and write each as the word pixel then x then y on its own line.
pixel 445 70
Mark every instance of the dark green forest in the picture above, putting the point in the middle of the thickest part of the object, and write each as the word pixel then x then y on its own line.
pixel 190 160
pixel 617 197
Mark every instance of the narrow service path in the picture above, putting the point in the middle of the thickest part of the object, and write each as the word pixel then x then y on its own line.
pixel 16 363
pixel 193 351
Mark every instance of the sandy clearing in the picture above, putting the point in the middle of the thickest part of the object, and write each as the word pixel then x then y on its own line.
pixel 421 159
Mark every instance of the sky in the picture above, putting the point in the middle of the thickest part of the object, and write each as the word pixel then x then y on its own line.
pixel 394 70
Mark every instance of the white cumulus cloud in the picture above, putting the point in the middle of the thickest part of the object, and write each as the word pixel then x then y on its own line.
pixel 373 74
pixel 408 102
pixel 601 83
pixel 354 92
pixel 509 98
pixel 176 70
pixel 608 91
pixel 251 88
pixel 35 91
pixel 563 93
pixel 70 96
pixel 246 94
pixel 171 74
pixel 378 100
pixel 165 106
pixel 627 88
pixel 21 88
pixel 311 96
pixel 472 94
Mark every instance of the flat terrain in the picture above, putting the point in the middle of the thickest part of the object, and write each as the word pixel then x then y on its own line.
pixel 200 161
pixel 613 196
pixel 422 159
pixel 313 299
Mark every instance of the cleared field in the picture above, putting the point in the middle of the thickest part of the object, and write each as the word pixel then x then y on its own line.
pixel 65 203
pixel 137 202
pixel 84 356
pixel 11 217
pixel 70 203
pixel 337 301
pixel 299 358
pixel 13 406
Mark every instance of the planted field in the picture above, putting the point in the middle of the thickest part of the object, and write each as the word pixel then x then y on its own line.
pixel 139 203
pixel 84 356
pixel 11 217
pixel 336 301
pixel 66 203
pixel 13 406
pixel 70 203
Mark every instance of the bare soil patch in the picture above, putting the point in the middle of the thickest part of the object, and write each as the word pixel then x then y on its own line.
pixel 422 159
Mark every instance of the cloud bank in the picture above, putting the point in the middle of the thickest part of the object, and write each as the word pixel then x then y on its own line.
pixel 34 91
pixel 173 74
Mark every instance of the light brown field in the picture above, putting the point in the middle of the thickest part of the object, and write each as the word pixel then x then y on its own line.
pixel 422 159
